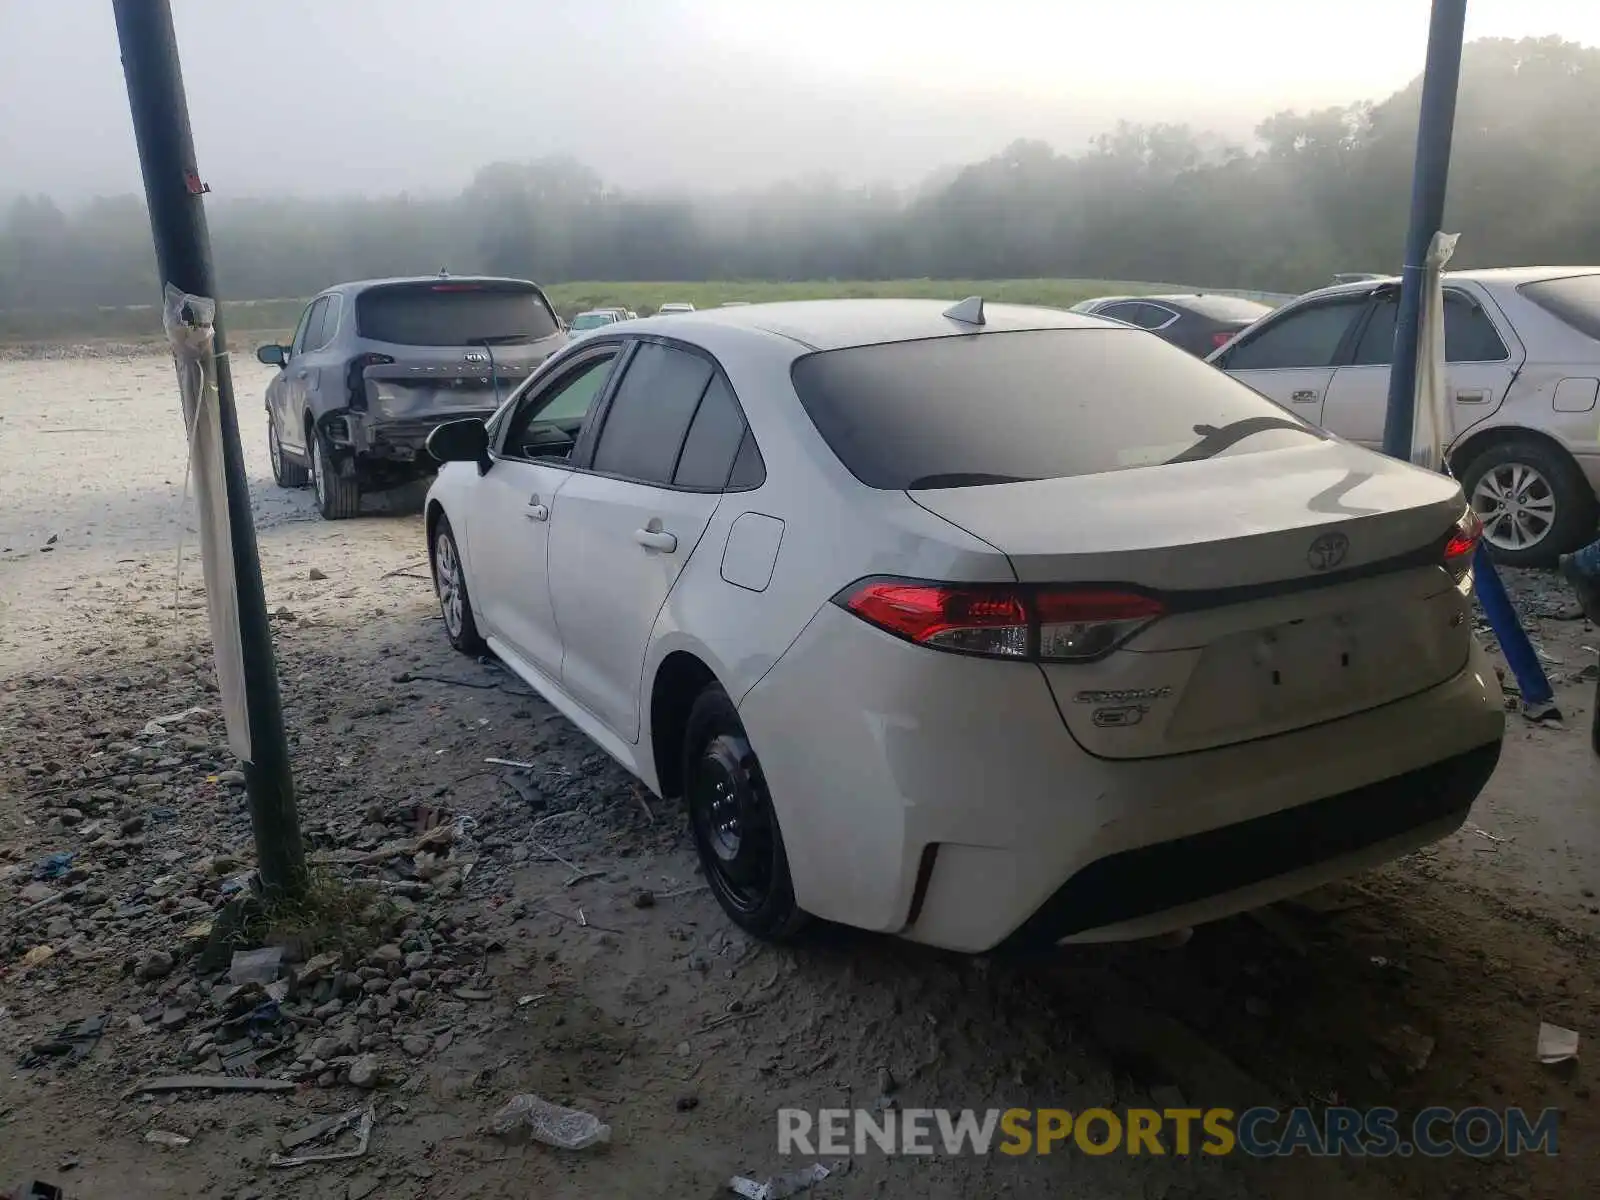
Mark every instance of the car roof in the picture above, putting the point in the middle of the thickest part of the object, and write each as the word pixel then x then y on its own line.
pixel 1490 277
pixel 837 324
pixel 356 286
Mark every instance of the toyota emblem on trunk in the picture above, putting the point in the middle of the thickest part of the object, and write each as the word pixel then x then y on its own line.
pixel 1328 551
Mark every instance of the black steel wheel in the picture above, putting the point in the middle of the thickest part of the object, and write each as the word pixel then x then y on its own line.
pixel 734 823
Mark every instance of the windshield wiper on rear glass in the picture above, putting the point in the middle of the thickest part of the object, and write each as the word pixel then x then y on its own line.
pixel 1215 439
pixel 498 339
pixel 956 479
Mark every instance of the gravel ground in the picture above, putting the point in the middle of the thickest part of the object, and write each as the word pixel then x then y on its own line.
pixel 646 1007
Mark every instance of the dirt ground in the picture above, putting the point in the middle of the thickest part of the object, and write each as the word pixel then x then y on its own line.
pixel 652 1013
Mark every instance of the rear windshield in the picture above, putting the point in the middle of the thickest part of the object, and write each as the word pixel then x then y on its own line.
pixel 592 320
pixel 453 314
pixel 1574 301
pixel 1226 308
pixel 1040 404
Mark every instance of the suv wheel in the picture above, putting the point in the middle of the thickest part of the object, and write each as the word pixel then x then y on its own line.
pixel 285 474
pixel 1534 501
pixel 338 497
pixel 734 824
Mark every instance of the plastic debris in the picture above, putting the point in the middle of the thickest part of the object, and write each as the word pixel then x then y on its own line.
pixel 328 1127
pixel 255 966
pixel 564 1128
pixel 39 954
pixel 1556 1044
pixel 160 1137
pixel 789 1184
pixel 157 726
pixel 73 1041
pixel 55 866
pixel 33 1191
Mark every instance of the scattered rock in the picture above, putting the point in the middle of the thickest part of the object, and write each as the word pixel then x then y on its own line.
pixel 416 1045
pixel 156 965
pixel 364 1072
pixel 315 575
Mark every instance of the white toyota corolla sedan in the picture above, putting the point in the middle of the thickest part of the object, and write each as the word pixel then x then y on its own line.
pixel 980 625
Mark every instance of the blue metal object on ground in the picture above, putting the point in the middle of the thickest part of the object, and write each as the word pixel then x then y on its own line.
pixel 1537 696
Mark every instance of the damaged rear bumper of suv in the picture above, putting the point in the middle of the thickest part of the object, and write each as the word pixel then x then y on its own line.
pixel 384 449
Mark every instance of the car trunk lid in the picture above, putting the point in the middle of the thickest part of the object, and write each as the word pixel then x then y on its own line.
pixel 1297 586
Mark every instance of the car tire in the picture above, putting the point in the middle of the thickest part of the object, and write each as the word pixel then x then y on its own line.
pixel 1534 500
pixel 450 586
pixel 285 474
pixel 338 496
pixel 734 824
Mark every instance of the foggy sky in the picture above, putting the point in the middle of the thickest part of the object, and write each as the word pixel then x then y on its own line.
pixel 338 96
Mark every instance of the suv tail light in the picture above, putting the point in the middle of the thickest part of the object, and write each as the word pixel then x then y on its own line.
pixel 1053 624
pixel 1462 544
pixel 356 379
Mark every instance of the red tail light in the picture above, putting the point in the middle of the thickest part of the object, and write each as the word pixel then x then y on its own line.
pixel 1462 545
pixel 356 378
pixel 1057 624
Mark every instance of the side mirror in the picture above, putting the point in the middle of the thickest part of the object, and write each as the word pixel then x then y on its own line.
pixel 460 441
pixel 273 356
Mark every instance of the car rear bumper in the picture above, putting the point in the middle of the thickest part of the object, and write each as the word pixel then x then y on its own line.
pixel 395 440
pixel 941 797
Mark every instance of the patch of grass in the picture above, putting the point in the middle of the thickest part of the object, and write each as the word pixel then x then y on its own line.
pixel 332 914
pixel 249 322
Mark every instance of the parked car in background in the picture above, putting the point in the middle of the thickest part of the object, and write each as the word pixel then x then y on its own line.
pixel 674 306
pixel 375 366
pixel 1082 661
pixel 1523 351
pixel 595 318
pixel 1198 323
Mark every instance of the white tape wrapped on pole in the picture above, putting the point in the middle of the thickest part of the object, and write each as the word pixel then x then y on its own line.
pixel 1431 426
pixel 191 332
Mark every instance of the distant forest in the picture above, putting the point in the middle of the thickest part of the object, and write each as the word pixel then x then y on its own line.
pixel 1319 192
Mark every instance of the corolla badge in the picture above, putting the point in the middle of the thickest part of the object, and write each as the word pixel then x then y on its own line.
pixel 1327 551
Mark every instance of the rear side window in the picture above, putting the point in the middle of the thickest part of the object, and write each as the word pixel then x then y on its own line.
pixel 1574 301
pixel 1469 334
pixel 1308 337
pixel 1040 404
pixel 650 414
pixel 453 314
pixel 713 439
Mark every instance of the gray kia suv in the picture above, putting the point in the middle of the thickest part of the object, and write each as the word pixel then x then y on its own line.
pixel 376 366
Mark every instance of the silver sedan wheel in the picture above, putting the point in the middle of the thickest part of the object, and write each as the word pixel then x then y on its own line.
pixel 447 582
pixel 1516 504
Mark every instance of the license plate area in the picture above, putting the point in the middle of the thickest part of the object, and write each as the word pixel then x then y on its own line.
pixel 1307 663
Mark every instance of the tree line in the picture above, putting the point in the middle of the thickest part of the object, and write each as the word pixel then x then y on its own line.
pixel 1318 192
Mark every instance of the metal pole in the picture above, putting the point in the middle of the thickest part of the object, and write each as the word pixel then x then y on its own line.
pixel 183 256
pixel 1435 126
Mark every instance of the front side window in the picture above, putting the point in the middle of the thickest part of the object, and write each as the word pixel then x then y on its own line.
pixel 309 324
pixel 1306 337
pixel 546 424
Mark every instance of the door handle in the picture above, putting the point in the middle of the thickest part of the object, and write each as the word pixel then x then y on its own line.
pixel 1304 396
pixel 1472 397
pixel 655 539
pixel 536 511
